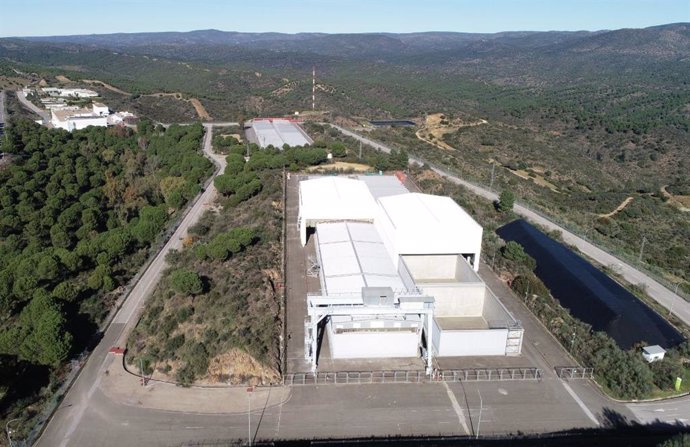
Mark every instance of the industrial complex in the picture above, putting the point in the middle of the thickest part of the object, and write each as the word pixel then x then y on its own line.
pixel 397 275
pixel 276 132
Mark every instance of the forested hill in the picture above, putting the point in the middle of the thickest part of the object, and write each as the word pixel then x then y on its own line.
pixel 665 41
pixel 78 212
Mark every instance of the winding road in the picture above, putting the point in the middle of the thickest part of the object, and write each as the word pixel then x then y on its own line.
pixel 671 301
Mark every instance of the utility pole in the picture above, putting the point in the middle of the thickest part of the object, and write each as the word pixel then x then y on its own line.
pixel 572 343
pixel 481 406
pixel 249 415
pixel 644 240
pixel 360 149
pixel 493 168
pixel 313 88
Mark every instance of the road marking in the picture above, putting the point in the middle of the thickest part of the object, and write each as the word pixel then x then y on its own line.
pixel 457 408
pixel 580 403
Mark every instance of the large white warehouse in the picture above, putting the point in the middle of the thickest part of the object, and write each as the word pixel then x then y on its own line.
pixel 397 274
pixel 276 132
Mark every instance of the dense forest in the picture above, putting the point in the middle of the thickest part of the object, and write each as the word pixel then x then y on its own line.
pixel 78 214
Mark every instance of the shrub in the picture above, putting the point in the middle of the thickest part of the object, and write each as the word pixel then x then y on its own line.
pixel 186 282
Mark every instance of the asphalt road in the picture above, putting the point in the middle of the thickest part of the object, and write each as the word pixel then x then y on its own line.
pixel 672 411
pixel 2 107
pixel 671 301
pixel 69 414
pixel 45 116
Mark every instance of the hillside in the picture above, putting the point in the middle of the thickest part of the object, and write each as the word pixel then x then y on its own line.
pixel 591 117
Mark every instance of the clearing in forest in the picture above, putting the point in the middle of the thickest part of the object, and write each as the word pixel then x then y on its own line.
pixel 536 178
pixel 108 86
pixel 201 111
pixel 344 165
pixel 437 125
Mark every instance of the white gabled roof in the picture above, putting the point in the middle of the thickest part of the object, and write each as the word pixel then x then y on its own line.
pixel 426 224
pixel 335 198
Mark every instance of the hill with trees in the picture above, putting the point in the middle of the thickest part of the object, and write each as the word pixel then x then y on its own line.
pixel 79 213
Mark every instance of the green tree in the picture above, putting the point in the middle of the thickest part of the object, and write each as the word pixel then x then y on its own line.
pixel 186 282
pixel 506 200
pixel 516 253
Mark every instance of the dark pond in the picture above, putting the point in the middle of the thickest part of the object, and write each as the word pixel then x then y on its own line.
pixel 591 295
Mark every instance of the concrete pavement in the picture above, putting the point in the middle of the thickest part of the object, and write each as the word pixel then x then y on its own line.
pixel 671 301
pixel 45 116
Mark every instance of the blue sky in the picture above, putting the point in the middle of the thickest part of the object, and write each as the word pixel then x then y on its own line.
pixel 50 17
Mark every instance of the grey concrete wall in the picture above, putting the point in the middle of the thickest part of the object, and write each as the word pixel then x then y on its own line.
pixel 456 299
pixel 352 345
pixel 494 310
pixel 426 267
pixel 469 342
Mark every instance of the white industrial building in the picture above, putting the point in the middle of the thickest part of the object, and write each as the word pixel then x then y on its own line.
pixel 276 132
pixel 69 92
pixel 75 118
pixel 398 274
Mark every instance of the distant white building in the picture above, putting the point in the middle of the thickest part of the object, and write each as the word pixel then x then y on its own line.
pixel 78 118
pixel 100 109
pixel 276 132
pixel 67 92
pixel 653 353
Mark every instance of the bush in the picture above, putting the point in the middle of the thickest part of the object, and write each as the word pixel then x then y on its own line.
pixel 505 201
pixel 516 253
pixel 186 282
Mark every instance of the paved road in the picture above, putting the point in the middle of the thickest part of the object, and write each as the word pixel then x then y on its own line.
pixel 45 116
pixel 671 301
pixel 79 398
pixel 2 107
pixel 674 411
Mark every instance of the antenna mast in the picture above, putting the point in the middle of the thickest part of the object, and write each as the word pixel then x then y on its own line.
pixel 313 88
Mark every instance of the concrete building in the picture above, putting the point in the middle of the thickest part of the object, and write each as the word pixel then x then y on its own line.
pixel 75 118
pixel 398 274
pixel 653 353
pixel 276 132
pixel 69 92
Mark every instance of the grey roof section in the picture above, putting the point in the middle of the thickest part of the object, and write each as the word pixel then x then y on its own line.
pixel 276 133
pixel 383 185
pixel 353 256
pixel 654 349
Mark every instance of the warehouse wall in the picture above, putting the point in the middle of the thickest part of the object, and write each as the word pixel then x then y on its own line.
pixel 349 345
pixel 460 343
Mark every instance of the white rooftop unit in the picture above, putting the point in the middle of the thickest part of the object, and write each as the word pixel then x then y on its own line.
pixel 328 199
pixel 653 353
pixel 416 223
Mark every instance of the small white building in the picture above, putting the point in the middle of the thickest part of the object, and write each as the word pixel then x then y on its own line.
pixel 100 109
pixel 653 353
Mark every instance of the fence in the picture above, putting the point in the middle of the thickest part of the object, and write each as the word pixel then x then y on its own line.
pixel 367 377
pixel 574 373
